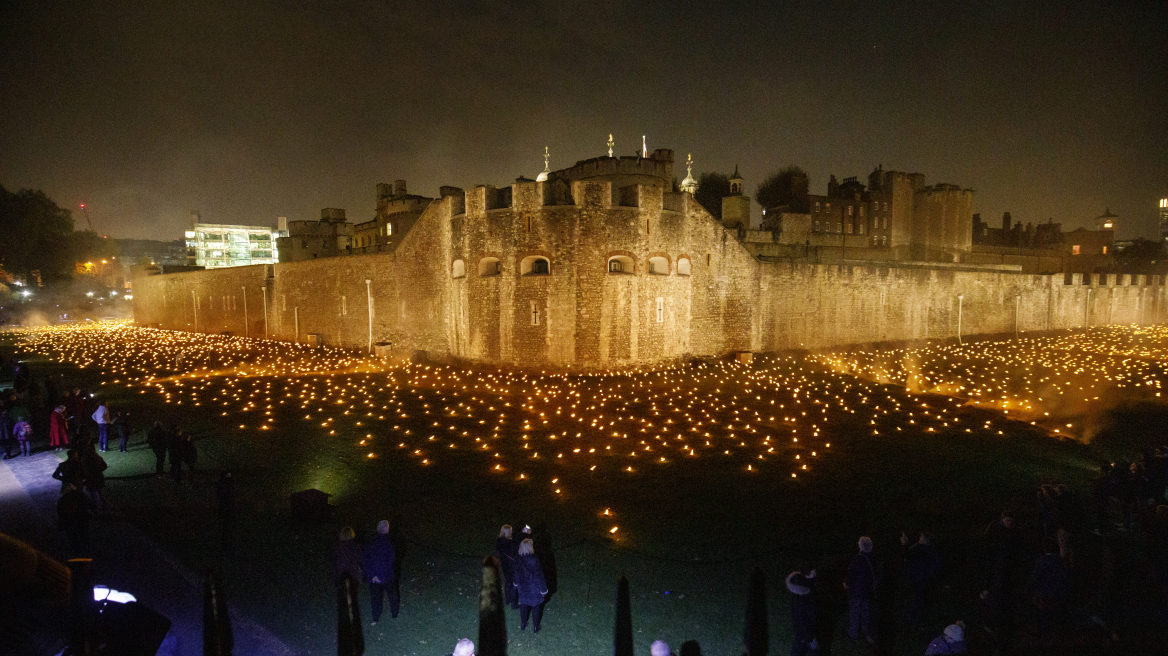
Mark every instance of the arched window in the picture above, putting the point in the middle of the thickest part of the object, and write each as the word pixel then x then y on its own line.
pixel 621 264
pixel 683 266
pixel 535 265
pixel 458 269
pixel 490 266
pixel 658 266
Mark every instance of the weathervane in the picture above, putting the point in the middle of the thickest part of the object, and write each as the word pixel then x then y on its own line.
pixel 644 147
pixel 610 145
pixel 689 184
pixel 542 177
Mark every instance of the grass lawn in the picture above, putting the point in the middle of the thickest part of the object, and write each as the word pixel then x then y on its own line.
pixel 684 478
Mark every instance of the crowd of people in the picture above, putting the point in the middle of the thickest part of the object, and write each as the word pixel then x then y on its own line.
pixel 1053 594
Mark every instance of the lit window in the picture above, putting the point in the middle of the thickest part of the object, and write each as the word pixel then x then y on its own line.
pixel 1105 250
pixel 816 206
pixel 850 210
pixel 1075 249
pixel 660 310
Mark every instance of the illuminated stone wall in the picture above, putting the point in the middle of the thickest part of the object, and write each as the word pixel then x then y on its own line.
pixel 431 293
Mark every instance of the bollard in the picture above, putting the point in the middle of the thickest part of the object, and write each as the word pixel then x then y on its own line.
pixel 622 642
pixel 350 639
pixel 755 636
pixel 218 639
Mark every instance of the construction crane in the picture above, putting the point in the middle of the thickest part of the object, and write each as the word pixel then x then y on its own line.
pixel 87 219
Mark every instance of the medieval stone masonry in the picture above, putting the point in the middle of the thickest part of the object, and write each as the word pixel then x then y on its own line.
pixel 604 265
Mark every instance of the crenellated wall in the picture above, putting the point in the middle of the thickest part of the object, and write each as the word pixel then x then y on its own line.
pixel 440 290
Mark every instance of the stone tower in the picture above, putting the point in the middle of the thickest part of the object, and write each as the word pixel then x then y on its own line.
pixel 736 207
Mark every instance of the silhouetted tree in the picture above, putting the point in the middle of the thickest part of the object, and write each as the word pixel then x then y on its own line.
pixel 787 187
pixel 712 188
pixel 1141 256
pixel 34 236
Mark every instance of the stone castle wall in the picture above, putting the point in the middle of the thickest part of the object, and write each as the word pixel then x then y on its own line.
pixel 428 294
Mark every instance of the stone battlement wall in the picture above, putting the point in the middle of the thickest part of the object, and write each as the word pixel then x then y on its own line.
pixel 440 290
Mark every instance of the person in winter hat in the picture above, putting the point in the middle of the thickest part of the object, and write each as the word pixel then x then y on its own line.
pixel 951 641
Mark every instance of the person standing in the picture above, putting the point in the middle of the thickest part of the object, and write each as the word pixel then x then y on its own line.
pixel 122 425
pixel 506 548
pixel 530 584
pixel 188 453
pixel 23 433
pixel 861 587
pixel 75 410
pixel 801 585
pixel 922 566
pixel 58 429
pixel 73 518
pixel 380 561
pixel 7 435
pixel 346 558
pixel 102 417
pixel 156 438
pixel 69 472
pixel 93 468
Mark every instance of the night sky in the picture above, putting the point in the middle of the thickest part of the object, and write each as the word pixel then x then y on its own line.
pixel 283 108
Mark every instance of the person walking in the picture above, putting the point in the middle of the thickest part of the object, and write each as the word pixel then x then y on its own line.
pixel 861 587
pixel 507 550
pixel 123 428
pixel 58 429
pixel 156 438
pixel 346 558
pixel 801 585
pixel 380 562
pixel 69 471
pixel 530 585
pixel 101 417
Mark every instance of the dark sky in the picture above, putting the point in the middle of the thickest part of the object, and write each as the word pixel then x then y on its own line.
pixel 1046 109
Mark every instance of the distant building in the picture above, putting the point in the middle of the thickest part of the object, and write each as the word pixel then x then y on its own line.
pixel 332 235
pixel 214 245
pixel 1164 219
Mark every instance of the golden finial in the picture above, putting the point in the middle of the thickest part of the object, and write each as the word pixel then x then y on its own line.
pixel 610 145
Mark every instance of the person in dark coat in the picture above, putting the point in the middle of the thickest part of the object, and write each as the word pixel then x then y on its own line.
pixel 75 411
pixel 922 566
pixel 156 438
pixel 1049 587
pixel 380 561
pixel 507 550
pixel 225 492
pixel 347 558
pixel 801 585
pixel 861 587
pixel 73 518
pixel 69 472
pixel 93 467
pixel 1004 555
pixel 6 435
pixel 530 585
pixel 188 453
pixel 123 429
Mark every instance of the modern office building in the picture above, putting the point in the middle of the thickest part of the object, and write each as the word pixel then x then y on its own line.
pixel 1164 219
pixel 216 245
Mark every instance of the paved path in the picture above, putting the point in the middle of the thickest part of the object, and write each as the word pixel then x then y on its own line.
pixel 125 558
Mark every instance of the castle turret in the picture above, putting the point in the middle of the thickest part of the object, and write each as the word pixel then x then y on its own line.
pixel 736 207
